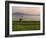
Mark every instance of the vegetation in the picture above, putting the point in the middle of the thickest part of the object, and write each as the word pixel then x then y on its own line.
pixel 25 25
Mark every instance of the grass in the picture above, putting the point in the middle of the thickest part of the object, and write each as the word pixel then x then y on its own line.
pixel 23 26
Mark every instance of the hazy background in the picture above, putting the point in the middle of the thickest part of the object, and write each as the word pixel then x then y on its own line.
pixel 28 13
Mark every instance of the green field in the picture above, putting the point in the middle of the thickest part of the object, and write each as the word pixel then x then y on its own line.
pixel 25 25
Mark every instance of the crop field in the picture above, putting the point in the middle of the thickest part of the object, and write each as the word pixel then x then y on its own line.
pixel 25 25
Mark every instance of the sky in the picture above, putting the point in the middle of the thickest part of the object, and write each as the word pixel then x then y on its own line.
pixel 28 13
pixel 26 10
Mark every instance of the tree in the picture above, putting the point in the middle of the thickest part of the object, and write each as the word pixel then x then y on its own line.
pixel 21 19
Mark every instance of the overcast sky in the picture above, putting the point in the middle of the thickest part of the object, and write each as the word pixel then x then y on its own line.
pixel 26 10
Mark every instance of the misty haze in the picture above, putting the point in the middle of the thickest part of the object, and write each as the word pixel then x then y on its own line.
pixel 28 13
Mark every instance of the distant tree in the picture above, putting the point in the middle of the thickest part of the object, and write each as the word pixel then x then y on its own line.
pixel 21 19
